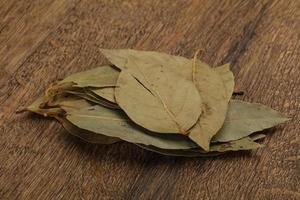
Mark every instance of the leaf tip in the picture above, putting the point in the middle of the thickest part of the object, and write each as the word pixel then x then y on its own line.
pixel 205 146
pixel 260 146
pixel 285 119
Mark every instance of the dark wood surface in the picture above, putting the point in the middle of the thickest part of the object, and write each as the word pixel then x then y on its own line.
pixel 44 40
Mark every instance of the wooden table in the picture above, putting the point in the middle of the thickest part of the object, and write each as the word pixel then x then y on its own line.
pixel 44 40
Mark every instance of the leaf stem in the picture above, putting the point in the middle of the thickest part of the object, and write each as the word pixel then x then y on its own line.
pixel 200 52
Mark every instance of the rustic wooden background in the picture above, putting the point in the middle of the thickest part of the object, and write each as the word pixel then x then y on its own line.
pixel 44 40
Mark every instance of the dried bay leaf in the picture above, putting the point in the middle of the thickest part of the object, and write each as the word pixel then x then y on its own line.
pixel 215 101
pixel 103 76
pixel 224 71
pixel 244 118
pixel 257 136
pixel 82 80
pixel 100 81
pixel 57 112
pixel 119 57
pixel 37 107
pixel 68 102
pixel 247 143
pixel 71 102
pixel 208 82
pixel 107 93
pixel 228 122
pixel 180 153
pixel 157 99
pixel 90 96
pixel 113 123
pixel 86 135
pixel 177 64
pixel 56 89
pixel 227 78
pixel 74 103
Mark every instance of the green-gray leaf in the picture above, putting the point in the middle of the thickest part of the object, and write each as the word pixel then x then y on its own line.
pixel 247 143
pixel 214 97
pixel 209 84
pixel 86 135
pixel 114 123
pixel 107 93
pixel 160 101
pixel 90 96
pixel 102 76
pixel 244 118
pixel 227 78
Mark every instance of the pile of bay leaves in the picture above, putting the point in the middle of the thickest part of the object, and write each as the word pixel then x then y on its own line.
pixel 163 103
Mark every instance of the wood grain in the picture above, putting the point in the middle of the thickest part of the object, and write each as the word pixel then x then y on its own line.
pixel 42 41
